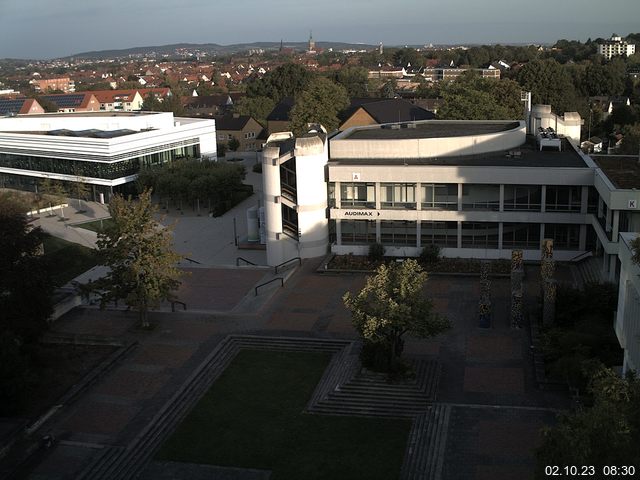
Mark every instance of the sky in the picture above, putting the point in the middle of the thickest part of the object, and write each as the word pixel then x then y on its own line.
pixel 40 29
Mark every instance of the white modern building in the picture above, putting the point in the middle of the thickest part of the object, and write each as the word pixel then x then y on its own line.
pixel 477 189
pixel 616 46
pixel 103 149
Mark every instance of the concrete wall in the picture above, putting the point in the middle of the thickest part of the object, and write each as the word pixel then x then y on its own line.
pixel 627 324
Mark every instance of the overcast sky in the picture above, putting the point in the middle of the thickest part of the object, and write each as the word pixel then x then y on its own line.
pixel 56 28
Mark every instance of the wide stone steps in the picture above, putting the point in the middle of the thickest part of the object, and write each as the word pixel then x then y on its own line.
pixel 590 270
pixel 130 461
pixel 424 456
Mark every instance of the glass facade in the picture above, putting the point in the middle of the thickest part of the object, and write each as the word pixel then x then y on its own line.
pixel 358 195
pixel 96 169
pixel 522 197
pixel 521 235
pixel 565 237
pixel 563 199
pixel 358 232
pixel 439 196
pixel 398 232
pixel 479 235
pixel 481 197
pixel 398 195
pixel 443 234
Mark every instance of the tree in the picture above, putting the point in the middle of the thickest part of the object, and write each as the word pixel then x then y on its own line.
pixel 25 282
pixel 285 81
pixel 471 97
pixel 139 254
pixel 55 192
pixel 233 144
pixel 320 103
pixel 355 80
pixel 151 103
pixel 391 304
pixel 631 140
pixel 549 83
pixel 608 433
pixel 256 107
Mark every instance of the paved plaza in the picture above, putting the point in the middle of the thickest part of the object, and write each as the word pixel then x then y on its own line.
pixel 487 380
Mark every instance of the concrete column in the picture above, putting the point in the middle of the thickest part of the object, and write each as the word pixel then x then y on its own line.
pixel 608 221
pixel 378 232
pixel 418 196
pixel 584 200
pixel 582 242
pixel 500 231
pixel 502 197
pixel 542 234
pixel 339 232
pixel 338 194
pixel 600 206
pixel 543 198
pixel 612 267
pixel 459 197
pixel 615 226
pixel 377 190
pixel 418 240
pixel 459 234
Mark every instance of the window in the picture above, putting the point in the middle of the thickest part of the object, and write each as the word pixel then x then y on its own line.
pixel 443 234
pixel 563 199
pixel 398 195
pixel 289 221
pixel 481 197
pixel 358 195
pixel 565 237
pixel 521 235
pixel 479 235
pixel 250 135
pixel 441 196
pixel 398 233
pixel 358 232
pixel 522 197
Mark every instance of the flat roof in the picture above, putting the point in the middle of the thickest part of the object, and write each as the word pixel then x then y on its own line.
pixel 430 129
pixel 527 155
pixel 87 114
pixel 622 170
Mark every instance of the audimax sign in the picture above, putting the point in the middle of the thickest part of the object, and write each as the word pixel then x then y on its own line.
pixel 361 213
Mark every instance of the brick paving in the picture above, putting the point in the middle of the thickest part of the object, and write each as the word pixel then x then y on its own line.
pixel 479 366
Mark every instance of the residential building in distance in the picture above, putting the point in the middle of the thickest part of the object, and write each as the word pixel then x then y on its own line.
pixel 19 106
pixel 376 111
pixel 241 127
pixel 44 85
pixel 105 150
pixel 74 102
pixel 616 46
pixel 119 100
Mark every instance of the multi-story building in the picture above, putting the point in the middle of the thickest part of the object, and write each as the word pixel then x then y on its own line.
pixel 74 102
pixel 477 189
pixel 65 84
pixel 243 128
pixel 104 150
pixel 616 46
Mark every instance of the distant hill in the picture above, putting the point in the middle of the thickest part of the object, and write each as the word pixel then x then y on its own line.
pixel 213 49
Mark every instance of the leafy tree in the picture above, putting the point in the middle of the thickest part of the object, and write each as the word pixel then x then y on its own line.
pixel 355 80
pixel 256 107
pixel 139 254
pixel 631 141
pixel 391 304
pixel 55 193
pixel 48 105
pixel 233 144
pixel 151 103
pixel 549 83
pixel 473 98
pixel 285 81
pixel 608 433
pixel 406 56
pixel 25 282
pixel 388 90
pixel 608 79
pixel 319 102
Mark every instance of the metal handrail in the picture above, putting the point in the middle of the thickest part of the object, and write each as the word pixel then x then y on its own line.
pixel 582 256
pixel 192 260
pixel 267 283
pixel 244 260
pixel 288 261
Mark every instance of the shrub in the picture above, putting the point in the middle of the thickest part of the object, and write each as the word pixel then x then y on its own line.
pixel 376 251
pixel 430 254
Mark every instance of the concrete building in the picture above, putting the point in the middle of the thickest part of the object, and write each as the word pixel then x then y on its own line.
pixel 616 46
pixel 104 150
pixel 64 84
pixel 477 189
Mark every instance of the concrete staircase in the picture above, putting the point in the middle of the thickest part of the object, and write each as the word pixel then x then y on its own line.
pixel 589 271
pixel 127 462
pixel 424 455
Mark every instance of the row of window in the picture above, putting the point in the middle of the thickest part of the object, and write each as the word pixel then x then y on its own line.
pixel 474 197
pixel 445 234
pixel 106 170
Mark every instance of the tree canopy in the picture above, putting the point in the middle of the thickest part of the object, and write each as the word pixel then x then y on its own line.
pixel 608 433
pixel 257 107
pixel 471 97
pixel 549 83
pixel 285 81
pixel 319 102
pixel 140 257
pixel 393 303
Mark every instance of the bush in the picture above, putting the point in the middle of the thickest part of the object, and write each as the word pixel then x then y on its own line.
pixel 430 254
pixel 221 149
pixel 376 251
pixel 257 168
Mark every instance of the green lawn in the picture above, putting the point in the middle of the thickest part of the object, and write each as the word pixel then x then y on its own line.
pixel 96 225
pixel 252 417
pixel 67 260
